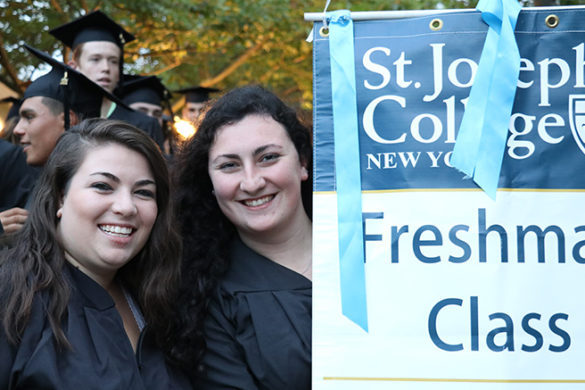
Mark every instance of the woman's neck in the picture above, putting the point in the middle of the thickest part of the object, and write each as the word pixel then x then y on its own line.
pixel 291 248
pixel 104 279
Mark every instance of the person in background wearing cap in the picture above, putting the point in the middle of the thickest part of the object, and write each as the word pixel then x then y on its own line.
pixel 50 105
pixel 147 94
pixel 195 98
pixel 16 176
pixel 98 52
pixel 17 179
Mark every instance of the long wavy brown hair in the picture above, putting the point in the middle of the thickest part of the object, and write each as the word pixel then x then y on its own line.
pixel 35 264
pixel 206 231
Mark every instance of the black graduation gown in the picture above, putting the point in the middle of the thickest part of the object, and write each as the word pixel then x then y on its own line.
pixel 102 356
pixel 16 177
pixel 140 120
pixel 258 330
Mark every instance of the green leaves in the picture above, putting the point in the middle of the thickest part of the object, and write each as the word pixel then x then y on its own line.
pixel 219 43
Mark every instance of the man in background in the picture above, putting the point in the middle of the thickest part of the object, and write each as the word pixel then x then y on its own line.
pixel 98 52
pixel 195 98
pixel 148 95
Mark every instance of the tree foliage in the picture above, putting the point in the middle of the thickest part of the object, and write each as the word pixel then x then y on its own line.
pixel 219 43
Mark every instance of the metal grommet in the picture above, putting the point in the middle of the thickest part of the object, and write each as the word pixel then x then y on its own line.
pixel 436 24
pixel 324 31
pixel 552 21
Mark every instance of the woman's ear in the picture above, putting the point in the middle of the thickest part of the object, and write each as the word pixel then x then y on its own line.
pixel 60 209
pixel 304 171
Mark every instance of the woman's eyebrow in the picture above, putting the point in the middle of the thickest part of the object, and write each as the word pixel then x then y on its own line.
pixel 262 148
pixel 256 152
pixel 108 175
pixel 226 155
pixel 145 182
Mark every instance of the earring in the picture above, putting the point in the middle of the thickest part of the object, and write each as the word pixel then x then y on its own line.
pixel 59 213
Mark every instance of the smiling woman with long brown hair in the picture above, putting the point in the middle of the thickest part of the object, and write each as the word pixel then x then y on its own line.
pixel 85 292
pixel 245 203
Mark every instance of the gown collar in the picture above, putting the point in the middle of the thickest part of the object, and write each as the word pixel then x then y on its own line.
pixel 250 271
pixel 92 293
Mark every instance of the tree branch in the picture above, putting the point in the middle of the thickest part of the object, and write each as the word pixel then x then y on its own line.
pixel 55 4
pixel 226 72
pixel 234 65
pixel 5 62
pixel 168 67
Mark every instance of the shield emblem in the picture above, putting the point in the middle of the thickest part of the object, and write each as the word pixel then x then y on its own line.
pixel 577 119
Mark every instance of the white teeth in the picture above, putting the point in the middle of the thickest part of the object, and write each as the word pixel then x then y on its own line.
pixel 258 202
pixel 118 230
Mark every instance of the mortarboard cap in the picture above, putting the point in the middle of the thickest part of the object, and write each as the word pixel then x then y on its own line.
pixel 95 26
pixel 147 89
pixel 72 88
pixel 197 94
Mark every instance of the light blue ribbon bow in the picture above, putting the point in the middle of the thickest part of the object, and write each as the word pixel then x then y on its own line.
pixel 347 168
pixel 481 141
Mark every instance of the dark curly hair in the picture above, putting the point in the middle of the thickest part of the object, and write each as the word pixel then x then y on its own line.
pixel 35 264
pixel 206 231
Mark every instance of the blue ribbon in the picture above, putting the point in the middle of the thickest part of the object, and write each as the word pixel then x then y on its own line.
pixel 479 148
pixel 347 168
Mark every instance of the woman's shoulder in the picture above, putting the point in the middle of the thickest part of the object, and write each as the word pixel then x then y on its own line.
pixel 35 339
pixel 262 313
pixel 255 287
pixel 250 272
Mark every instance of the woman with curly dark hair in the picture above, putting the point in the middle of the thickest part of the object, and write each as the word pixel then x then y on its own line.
pixel 86 290
pixel 245 203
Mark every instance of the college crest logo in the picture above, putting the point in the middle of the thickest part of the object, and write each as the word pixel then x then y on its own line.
pixel 577 119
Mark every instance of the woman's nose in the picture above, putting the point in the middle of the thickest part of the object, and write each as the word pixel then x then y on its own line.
pixel 124 204
pixel 252 181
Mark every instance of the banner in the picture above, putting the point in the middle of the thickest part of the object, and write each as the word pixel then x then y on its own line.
pixel 458 290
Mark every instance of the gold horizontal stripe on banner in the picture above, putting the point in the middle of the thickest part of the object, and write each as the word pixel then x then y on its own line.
pixel 453 380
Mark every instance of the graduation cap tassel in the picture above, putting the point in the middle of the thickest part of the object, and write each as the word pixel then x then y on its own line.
pixel 65 84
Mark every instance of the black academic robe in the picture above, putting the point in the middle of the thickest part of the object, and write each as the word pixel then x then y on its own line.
pixel 258 330
pixel 102 356
pixel 16 177
pixel 140 120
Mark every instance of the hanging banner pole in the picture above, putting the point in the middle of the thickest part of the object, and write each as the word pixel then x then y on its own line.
pixel 387 15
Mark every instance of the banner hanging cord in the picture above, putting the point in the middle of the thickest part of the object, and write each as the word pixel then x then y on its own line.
pixel 325 14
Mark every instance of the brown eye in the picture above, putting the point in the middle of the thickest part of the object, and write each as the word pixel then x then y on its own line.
pixel 269 157
pixel 227 166
pixel 101 186
pixel 146 193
